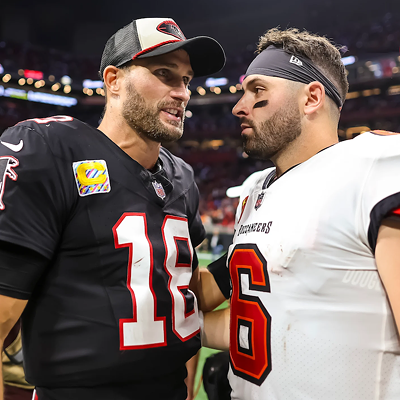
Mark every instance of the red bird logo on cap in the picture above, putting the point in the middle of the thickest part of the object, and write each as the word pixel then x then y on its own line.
pixel 171 28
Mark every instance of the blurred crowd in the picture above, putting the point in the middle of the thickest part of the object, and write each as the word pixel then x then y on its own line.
pixel 381 35
pixel 211 143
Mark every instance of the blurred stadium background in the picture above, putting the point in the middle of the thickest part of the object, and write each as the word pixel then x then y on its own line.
pixel 50 52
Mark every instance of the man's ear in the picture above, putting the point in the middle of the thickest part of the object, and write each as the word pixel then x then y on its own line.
pixel 112 79
pixel 314 97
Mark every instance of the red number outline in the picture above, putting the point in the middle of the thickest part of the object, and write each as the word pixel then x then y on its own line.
pixel 56 118
pixel 129 272
pixel 183 339
pixel 252 364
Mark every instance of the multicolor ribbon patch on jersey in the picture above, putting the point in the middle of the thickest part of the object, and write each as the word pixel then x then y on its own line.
pixel 91 177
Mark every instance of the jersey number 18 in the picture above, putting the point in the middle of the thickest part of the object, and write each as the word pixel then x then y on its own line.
pixel 145 329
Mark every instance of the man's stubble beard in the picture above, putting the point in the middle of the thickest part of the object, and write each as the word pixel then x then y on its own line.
pixel 274 134
pixel 145 120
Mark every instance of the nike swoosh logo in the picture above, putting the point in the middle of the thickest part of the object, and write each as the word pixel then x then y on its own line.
pixel 14 147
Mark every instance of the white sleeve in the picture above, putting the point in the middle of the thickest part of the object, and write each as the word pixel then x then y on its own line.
pixel 381 191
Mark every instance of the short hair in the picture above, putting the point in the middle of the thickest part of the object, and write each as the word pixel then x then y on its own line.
pixel 320 50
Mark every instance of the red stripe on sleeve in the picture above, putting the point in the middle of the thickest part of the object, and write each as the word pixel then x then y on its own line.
pixel 396 212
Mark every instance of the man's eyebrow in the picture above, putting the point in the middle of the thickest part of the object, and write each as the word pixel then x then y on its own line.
pixel 256 80
pixel 173 66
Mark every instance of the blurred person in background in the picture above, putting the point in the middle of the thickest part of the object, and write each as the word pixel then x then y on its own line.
pixel 216 244
pixel 98 227
pixel 314 268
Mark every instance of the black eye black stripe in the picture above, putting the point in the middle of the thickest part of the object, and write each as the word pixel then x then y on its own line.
pixel 261 104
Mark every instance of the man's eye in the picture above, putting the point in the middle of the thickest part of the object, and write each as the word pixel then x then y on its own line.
pixel 162 72
pixel 258 90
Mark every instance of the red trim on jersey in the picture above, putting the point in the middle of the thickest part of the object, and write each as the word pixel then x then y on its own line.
pixel 56 118
pixel 128 284
pixel 396 212
pixel 184 339
pixel 182 265
pixel 181 288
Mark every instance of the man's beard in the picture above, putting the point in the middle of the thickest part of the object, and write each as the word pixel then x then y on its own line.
pixel 274 134
pixel 145 119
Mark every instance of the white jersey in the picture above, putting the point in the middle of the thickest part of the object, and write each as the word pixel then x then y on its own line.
pixel 310 319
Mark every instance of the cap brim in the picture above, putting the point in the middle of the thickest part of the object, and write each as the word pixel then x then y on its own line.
pixel 206 54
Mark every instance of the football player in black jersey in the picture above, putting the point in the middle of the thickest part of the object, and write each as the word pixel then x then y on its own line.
pixel 98 229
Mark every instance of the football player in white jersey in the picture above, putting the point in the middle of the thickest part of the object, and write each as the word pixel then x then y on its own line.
pixel 315 259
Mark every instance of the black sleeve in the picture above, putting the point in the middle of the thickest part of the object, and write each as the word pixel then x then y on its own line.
pixel 35 199
pixel 380 194
pixel 382 210
pixel 221 275
pixel 35 191
pixel 28 263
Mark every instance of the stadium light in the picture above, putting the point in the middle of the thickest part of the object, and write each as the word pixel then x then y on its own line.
pixel 30 73
pixel 88 83
pixel 348 60
pixel 66 80
pixel 201 91
pixel 216 82
pixel 55 87
pixel 38 97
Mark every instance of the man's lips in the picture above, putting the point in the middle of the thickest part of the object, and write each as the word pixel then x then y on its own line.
pixel 173 113
pixel 245 127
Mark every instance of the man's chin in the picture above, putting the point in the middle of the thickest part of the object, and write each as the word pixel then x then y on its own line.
pixel 173 131
pixel 255 151
pixel 171 135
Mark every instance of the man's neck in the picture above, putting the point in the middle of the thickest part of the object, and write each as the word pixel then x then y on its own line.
pixel 302 149
pixel 138 147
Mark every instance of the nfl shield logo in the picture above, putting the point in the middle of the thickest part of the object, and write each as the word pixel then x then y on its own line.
pixel 159 189
pixel 259 201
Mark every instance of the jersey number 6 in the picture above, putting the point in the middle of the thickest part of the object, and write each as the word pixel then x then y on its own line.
pixel 145 329
pixel 250 331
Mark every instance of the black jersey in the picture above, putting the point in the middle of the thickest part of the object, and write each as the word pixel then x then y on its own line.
pixel 113 303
